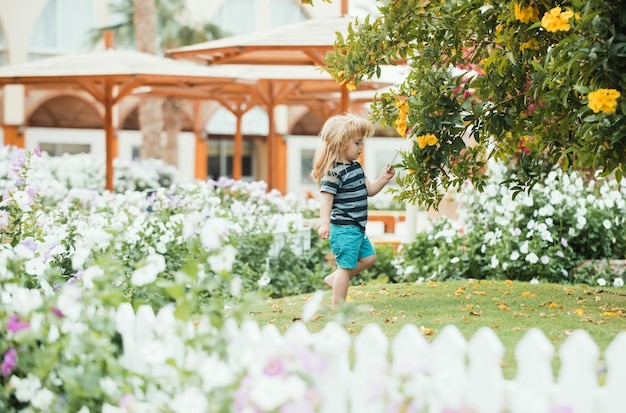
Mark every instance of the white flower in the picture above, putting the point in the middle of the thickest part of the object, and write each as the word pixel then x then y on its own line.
pixel 23 200
pixel 26 388
pixel 454 260
pixel 534 281
pixel 581 221
pixel 4 219
pixel 235 286
pixel 606 224
pixel 90 274
pixel 532 258
pixel 494 261
pixel 545 259
pixel 24 300
pixel 311 306
pixel 618 282
pixel 524 248
pixel 53 334
pixel 69 302
pixel 514 256
pixel 42 399
pixel 155 263
pixel 601 282
pixel 191 400
pixel 212 231
pixel 35 266
pixel 224 260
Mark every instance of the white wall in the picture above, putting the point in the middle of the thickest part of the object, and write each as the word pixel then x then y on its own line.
pixel 126 141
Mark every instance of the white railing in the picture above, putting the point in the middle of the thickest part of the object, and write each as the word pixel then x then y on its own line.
pixel 370 373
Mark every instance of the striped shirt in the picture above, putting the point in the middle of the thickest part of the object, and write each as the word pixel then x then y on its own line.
pixel 350 194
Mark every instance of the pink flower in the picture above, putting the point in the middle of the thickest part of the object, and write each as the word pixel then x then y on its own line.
pixel 9 361
pixel 274 367
pixel 15 324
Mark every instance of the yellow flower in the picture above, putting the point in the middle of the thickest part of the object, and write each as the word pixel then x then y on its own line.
pixel 603 100
pixel 403 110
pixel 350 86
pixel 555 20
pixel 427 140
pixel 531 44
pixel 401 126
pixel 526 14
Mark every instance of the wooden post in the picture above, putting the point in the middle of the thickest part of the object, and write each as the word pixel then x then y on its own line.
pixel 201 161
pixel 238 146
pixel 111 141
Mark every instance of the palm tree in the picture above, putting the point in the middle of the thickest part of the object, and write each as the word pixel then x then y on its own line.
pixel 153 26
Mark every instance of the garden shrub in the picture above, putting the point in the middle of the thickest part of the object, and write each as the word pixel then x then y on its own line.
pixel 542 234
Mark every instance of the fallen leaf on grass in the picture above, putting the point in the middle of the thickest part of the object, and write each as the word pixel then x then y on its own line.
pixel 427 331
pixel 476 313
pixel 580 312
pixel 502 306
pixel 610 314
pixel 528 294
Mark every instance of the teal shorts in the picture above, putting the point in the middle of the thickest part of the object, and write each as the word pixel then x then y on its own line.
pixel 349 243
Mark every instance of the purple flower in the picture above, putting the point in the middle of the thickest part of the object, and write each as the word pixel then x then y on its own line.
pixel 30 244
pixel 564 242
pixel 9 361
pixel 37 152
pixel 56 312
pixel 15 324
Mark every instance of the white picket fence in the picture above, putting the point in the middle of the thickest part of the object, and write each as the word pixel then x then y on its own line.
pixel 368 373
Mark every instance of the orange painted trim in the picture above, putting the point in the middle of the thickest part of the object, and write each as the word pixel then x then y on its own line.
pixel 202 164
pixel 12 136
pixel 281 162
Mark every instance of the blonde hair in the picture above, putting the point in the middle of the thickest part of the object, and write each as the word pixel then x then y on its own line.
pixel 337 134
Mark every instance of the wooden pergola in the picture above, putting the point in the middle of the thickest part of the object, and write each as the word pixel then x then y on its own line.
pixel 270 86
pixel 303 44
pixel 109 76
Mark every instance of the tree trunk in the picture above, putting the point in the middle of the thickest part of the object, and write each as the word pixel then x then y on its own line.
pixel 150 109
pixel 172 110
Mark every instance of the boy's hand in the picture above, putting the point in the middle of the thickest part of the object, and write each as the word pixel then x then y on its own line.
pixel 324 231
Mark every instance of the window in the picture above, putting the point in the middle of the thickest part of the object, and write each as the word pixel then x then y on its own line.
pixel 63 27
pixel 58 149
pixel 245 16
pixel 221 159
pixel 285 12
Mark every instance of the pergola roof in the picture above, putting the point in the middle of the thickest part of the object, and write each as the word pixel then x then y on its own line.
pixel 303 43
pixel 111 75
pixel 117 66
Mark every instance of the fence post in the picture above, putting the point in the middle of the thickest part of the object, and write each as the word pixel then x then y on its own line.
pixel 485 381
pixel 577 380
pixel 410 368
pixel 369 378
pixel 534 379
pixel 613 394
pixel 448 370
pixel 333 343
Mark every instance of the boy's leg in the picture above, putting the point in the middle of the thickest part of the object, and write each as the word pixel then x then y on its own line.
pixel 340 286
pixel 362 264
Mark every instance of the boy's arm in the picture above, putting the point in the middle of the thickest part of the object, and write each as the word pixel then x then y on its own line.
pixel 385 176
pixel 326 205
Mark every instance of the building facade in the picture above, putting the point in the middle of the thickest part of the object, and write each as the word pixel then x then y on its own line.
pixel 70 121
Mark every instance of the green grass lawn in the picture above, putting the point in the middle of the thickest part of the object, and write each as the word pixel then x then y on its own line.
pixel 509 308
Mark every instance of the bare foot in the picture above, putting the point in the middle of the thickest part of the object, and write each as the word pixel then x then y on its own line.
pixel 328 280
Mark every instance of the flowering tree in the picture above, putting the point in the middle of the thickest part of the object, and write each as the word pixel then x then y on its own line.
pixel 537 81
